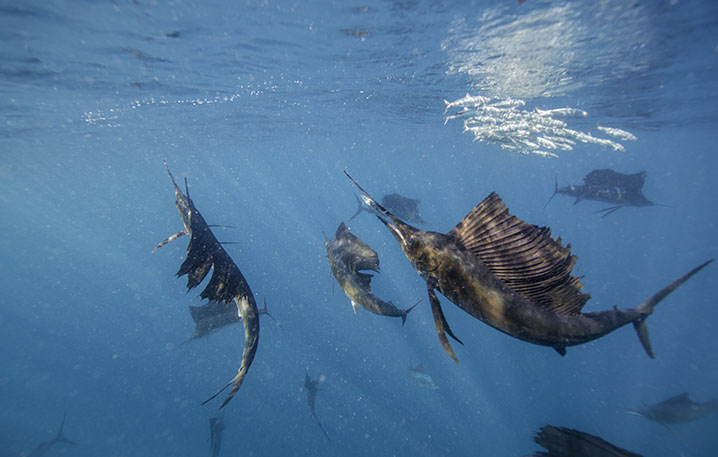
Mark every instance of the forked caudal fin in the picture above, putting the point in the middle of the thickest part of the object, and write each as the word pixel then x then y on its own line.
pixel 555 191
pixel 646 308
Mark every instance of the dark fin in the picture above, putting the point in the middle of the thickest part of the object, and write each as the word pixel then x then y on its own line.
pixel 525 257
pixel 406 313
pixel 561 351
pixel 576 202
pixel 555 191
pixel 680 398
pixel 169 240
pixel 364 281
pixel 609 178
pixel 360 207
pixel 442 327
pixel 265 310
pixel 60 438
pixel 609 210
pixel 646 308
pixel 642 331
pixel 355 252
pixel 566 442
pixel 212 309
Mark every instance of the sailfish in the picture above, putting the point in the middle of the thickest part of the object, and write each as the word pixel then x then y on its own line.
pixel 226 285
pixel 348 255
pixel 608 186
pixel 512 276
pixel 312 386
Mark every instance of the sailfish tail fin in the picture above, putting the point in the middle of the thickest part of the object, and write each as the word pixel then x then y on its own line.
pixel 360 207
pixel 60 438
pixel 406 312
pixel 646 308
pixel 555 191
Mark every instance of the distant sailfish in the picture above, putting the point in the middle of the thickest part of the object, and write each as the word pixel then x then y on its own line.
pixel 512 276
pixel 567 442
pixel 216 427
pixel 348 255
pixel 403 207
pixel 610 187
pixel 45 445
pixel 215 315
pixel 419 374
pixel 227 283
pixel 312 385
pixel 678 409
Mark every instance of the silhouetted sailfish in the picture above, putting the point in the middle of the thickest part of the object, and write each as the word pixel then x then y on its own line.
pixel 568 442
pixel 678 409
pixel 214 315
pixel 348 255
pixel 226 285
pixel 45 445
pixel 216 427
pixel 312 385
pixel 513 276
pixel 608 186
pixel 403 207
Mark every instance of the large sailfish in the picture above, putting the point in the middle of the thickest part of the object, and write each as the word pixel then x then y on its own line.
pixel 226 285
pixel 512 276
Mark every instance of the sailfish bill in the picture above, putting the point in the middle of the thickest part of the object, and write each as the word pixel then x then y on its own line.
pixel 226 285
pixel 512 276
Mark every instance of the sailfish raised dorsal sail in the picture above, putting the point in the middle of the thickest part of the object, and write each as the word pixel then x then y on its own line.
pixel 226 285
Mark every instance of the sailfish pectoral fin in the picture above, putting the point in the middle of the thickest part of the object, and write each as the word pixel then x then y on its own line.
pixel 442 327
pixel 609 210
pixel 170 239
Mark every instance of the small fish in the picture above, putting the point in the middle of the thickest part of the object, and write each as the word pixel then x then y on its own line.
pixel 468 100
pixel 45 445
pixel 567 442
pixel 618 133
pixel 419 374
pixel 610 187
pixel 562 112
pixel 216 427
pixel 678 409
pixel 312 385
pixel 512 276
pixel 348 256
pixel 227 284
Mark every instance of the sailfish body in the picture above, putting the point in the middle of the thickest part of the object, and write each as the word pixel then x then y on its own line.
pixel 677 409
pixel 226 285
pixel 512 276
pixel 608 186
pixel 216 427
pixel 312 386
pixel 348 255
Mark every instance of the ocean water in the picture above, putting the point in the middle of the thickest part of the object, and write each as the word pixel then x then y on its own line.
pixel 261 105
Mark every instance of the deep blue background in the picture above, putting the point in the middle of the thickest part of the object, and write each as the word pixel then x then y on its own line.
pixel 261 105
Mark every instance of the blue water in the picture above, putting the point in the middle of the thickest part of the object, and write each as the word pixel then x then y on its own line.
pixel 261 105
